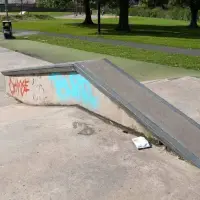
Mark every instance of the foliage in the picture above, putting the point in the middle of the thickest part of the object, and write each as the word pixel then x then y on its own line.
pixel 59 4
pixel 177 13
pixel 184 3
pixel 153 3
pixel 28 17
pixel 177 3
pixel 169 3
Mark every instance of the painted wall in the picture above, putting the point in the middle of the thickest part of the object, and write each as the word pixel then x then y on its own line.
pixel 72 89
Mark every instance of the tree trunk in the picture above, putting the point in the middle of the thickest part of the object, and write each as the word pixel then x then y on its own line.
pixel 194 14
pixel 88 18
pixel 123 24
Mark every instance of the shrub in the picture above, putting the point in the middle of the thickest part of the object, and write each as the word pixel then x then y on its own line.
pixel 27 16
pixel 173 13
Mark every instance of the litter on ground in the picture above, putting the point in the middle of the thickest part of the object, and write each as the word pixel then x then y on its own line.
pixel 141 143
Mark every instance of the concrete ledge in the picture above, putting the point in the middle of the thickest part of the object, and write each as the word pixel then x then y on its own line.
pixel 40 86
pixel 67 89
pixel 46 69
pixel 107 91
pixel 53 68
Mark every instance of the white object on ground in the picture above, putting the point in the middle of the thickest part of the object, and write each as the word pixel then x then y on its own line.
pixel 141 143
pixel 22 13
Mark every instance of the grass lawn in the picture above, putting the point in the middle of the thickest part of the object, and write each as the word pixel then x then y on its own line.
pixel 53 14
pixel 144 30
pixel 174 60
pixel 55 54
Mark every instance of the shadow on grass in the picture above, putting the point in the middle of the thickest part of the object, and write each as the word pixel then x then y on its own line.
pixel 147 30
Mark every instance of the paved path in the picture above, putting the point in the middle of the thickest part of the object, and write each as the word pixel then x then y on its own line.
pixel 44 157
pixel 83 16
pixel 151 47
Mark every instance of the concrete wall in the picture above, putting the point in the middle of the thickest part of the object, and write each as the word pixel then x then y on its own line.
pixel 71 89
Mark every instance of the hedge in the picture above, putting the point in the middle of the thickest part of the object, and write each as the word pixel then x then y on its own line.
pixel 26 16
pixel 174 13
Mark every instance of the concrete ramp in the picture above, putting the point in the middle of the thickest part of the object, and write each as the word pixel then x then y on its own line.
pixel 106 90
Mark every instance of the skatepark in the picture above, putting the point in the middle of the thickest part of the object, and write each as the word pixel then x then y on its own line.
pixel 63 132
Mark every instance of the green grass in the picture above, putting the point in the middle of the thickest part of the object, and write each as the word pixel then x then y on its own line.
pixel 53 14
pixel 174 60
pixel 144 30
pixel 55 54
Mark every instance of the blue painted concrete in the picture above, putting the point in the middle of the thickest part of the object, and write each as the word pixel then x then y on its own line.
pixel 74 87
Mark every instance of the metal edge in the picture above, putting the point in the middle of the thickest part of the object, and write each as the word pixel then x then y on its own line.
pixel 64 67
pixel 167 139
pixel 154 94
pixel 51 68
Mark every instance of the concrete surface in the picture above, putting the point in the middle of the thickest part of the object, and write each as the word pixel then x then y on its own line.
pixel 61 153
pixel 25 33
pixel 44 157
pixel 183 93
pixel 82 16
pixel 11 60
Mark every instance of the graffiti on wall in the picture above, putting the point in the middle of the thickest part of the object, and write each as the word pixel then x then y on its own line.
pixel 74 87
pixel 18 86
pixel 39 91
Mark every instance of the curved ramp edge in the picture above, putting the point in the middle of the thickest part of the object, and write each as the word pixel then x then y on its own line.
pixel 106 90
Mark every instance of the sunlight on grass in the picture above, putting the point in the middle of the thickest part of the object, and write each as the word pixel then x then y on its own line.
pixel 180 61
pixel 144 30
pixel 53 14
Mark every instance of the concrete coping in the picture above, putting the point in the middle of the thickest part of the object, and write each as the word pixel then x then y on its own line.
pixel 52 68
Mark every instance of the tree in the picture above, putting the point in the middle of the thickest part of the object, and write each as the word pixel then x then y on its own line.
pixel 194 8
pixel 123 5
pixel 88 17
pixel 153 3
pixel 123 24
pixel 59 4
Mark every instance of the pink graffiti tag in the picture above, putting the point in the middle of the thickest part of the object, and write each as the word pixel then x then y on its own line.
pixel 18 86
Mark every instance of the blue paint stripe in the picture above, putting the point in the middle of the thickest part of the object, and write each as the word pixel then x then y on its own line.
pixel 76 87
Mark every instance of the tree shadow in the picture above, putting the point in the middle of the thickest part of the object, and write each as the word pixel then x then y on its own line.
pixel 184 32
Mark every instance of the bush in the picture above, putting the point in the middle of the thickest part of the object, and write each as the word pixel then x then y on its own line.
pixel 174 13
pixel 27 16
